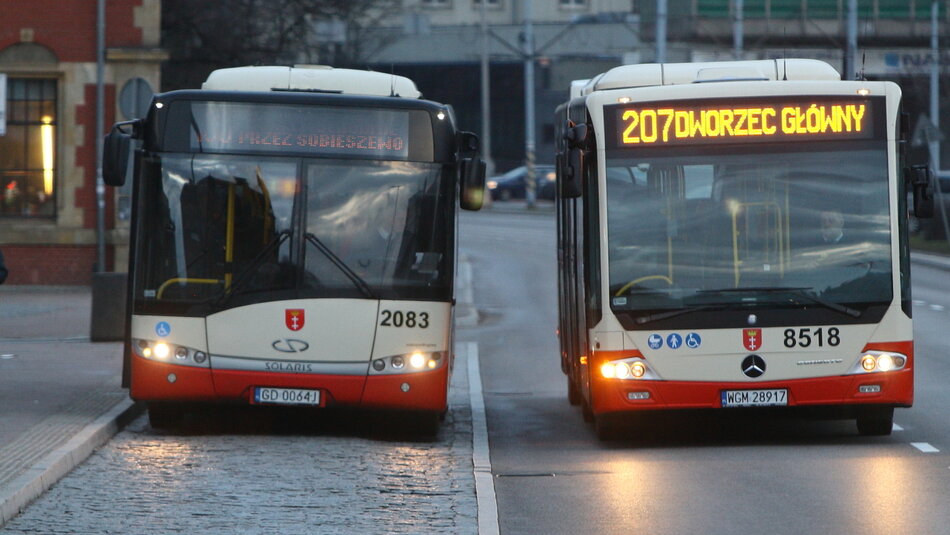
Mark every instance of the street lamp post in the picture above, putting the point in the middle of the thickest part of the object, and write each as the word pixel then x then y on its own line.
pixel 529 146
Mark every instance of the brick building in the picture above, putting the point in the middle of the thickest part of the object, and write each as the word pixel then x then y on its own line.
pixel 48 150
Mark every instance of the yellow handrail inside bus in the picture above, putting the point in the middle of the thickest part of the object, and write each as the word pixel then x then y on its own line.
pixel 634 282
pixel 183 280
pixel 229 238
pixel 781 243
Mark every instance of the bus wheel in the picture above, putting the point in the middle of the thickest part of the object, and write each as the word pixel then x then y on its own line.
pixel 426 424
pixel 876 422
pixel 587 412
pixel 573 394
pixel 164 415
pixel 607 428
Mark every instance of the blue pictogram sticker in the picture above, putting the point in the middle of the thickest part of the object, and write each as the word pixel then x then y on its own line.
pixel 163 329
pixel 674 341
pixel 693 340
pixel 655 341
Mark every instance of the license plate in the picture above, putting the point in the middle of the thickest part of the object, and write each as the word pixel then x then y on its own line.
pixel 286 396
pixel 777 397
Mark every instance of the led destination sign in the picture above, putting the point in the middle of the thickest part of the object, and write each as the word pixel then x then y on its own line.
pixel 238 127
pixel 759 120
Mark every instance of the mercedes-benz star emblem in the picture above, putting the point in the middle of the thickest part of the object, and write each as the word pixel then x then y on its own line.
pixel 753 366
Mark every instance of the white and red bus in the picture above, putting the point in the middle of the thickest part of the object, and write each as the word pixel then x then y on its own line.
pixel 733 235
pixel 293 242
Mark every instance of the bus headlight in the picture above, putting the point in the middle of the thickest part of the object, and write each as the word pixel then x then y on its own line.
pixel 879 362
pixel 415 362
pixel 161 350
pixel 626 369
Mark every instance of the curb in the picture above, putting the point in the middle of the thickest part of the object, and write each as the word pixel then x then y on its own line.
pixel 544 208
pixel 15 496
pixel 930 260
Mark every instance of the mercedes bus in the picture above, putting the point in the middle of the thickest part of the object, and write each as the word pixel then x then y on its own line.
pixel 733 235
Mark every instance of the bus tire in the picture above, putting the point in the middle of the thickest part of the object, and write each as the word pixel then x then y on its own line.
pixel 876 422
pixel 607 428
pixel 426 424
pixel 587 412
pixel 164 415
pixel 573 394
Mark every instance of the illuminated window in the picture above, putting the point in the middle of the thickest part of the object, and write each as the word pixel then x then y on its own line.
pixel 28 150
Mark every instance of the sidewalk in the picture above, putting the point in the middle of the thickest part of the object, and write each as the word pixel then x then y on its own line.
pixel 60 394
pixel 541 207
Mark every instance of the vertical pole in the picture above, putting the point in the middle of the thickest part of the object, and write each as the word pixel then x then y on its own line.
pixel 935 82
pixel 660 31
pixel 530 182
pixel 935 114
pixel 850 60
pixel 486 98
pixel 100 132
pixel 737 29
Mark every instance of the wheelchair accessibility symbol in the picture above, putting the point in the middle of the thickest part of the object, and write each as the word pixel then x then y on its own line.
pixel 693 340
pixel 163 329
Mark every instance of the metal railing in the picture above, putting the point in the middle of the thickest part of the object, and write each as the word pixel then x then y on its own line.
pixel 918 10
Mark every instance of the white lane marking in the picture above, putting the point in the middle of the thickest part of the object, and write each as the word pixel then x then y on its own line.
pixel 481 457
pixel 938 308
pixel 919 302
pixel 924 447
pixel 897 428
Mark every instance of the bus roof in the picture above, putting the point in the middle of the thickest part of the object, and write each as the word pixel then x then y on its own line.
pixel 657 74
pixel 316 78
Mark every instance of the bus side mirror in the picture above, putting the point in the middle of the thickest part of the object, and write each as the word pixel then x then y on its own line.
pixel 920 178
pixel 571 171
pixel 116 149
pixel 472 171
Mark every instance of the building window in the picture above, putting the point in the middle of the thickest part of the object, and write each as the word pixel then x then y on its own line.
pixel 28 150
pixel 490 4
pixel 572 4
pixel 436 3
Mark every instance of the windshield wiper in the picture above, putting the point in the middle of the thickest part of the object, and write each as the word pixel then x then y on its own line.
pixel 253 266
pixel 794 291
pixel 642 320
pixel 335 260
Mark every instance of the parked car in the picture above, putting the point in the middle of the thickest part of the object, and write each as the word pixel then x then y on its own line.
pixel 511 185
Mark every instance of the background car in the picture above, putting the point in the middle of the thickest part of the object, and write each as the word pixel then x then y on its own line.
pixel 511 185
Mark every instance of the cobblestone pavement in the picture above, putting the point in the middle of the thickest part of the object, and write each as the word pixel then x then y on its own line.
pixel 236 470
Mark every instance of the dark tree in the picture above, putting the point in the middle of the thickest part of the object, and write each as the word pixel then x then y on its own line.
pixel 208 35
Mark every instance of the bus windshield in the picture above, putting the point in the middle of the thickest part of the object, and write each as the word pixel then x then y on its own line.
pixel 733 228
pixel 226 230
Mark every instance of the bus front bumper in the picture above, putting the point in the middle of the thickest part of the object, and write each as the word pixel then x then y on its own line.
pixel 894 388
pixel 160 381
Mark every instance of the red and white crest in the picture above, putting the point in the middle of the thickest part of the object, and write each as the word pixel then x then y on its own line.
pixel 294 318
pixel 752 339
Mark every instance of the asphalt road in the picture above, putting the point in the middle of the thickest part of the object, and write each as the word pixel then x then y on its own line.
pixel 714 474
